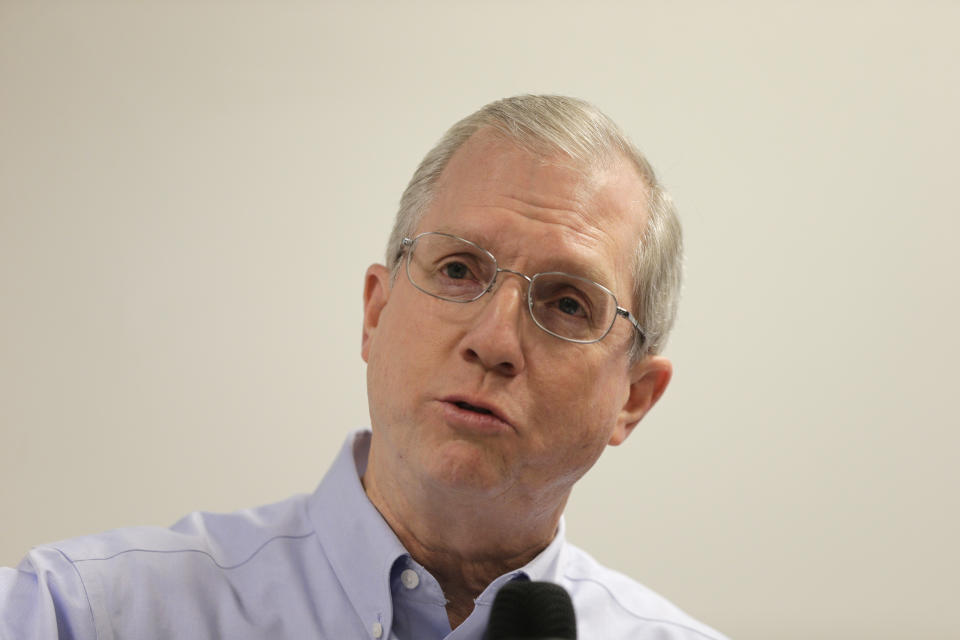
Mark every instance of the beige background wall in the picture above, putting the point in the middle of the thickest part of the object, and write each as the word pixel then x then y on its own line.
pixel 190 192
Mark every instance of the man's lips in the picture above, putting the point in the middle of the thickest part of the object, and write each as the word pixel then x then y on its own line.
pixel 470 407
pixel 478 407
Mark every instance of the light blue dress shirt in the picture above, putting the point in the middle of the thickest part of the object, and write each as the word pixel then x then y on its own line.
pixel 324 566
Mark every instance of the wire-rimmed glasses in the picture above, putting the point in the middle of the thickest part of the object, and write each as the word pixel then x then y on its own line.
pixel 569 307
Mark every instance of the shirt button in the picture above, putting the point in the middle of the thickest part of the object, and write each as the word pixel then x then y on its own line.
pixel 377 629
pixel 409 578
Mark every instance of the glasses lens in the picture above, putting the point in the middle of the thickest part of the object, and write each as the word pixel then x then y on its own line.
pixel 449 267
pixel 572 307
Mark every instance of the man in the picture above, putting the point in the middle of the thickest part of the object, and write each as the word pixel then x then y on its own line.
pixel 514 333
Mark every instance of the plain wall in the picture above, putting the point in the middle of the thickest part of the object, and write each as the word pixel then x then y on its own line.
pixel 190 193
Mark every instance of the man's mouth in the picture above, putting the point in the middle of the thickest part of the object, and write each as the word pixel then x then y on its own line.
pixel 470 407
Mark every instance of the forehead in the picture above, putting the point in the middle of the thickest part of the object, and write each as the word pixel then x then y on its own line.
pixel 545 212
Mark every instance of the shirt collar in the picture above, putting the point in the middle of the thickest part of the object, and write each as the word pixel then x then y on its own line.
pixel 359 544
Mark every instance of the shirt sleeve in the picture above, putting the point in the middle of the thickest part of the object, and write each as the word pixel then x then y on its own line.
pixel 44 599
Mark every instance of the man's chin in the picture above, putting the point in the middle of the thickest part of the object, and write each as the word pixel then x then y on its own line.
pixel 467 467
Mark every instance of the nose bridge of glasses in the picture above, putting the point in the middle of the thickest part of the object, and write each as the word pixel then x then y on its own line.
pixel 512 272
pixel 496 276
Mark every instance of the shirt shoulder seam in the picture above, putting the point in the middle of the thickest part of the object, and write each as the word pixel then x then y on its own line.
pixel 614 597
pixel 225 567
pixel 83 584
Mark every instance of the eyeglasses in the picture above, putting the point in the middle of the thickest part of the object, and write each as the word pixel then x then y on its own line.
pixel 566 306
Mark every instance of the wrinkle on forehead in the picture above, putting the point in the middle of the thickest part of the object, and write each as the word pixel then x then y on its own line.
pixel 516 183
pixel 492 165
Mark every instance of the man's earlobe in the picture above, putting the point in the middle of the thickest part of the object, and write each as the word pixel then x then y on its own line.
pixel 648 380
pixel 376 292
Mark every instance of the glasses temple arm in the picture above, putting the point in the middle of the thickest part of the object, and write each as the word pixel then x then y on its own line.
pixel 636 325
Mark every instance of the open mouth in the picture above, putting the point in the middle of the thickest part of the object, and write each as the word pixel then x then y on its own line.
pixel 470 407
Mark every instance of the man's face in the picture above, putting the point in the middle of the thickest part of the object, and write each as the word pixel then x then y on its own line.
pixel 548 407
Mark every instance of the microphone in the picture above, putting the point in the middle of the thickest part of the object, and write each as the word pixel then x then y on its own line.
pixel 525 610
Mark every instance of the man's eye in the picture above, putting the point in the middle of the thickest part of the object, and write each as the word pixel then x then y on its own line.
pixel 570 306
pixel 455 270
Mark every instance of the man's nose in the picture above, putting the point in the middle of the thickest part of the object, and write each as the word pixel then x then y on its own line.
pixel 494 337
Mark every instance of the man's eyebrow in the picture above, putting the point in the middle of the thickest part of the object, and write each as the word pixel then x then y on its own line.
pixel 476 237
pixel 589 271
pixel 558 264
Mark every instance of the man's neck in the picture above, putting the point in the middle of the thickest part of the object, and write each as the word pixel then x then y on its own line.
pixel 464 545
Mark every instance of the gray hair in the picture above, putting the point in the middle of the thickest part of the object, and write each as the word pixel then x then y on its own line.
pixel 547 126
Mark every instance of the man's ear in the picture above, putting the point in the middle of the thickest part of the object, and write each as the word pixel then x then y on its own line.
pixel 376 291
pixel 648 380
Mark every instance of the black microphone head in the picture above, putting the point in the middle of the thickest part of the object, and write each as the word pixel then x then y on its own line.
pixel 524 609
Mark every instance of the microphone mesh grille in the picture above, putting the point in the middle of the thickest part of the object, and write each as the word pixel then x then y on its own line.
pixel 524 609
